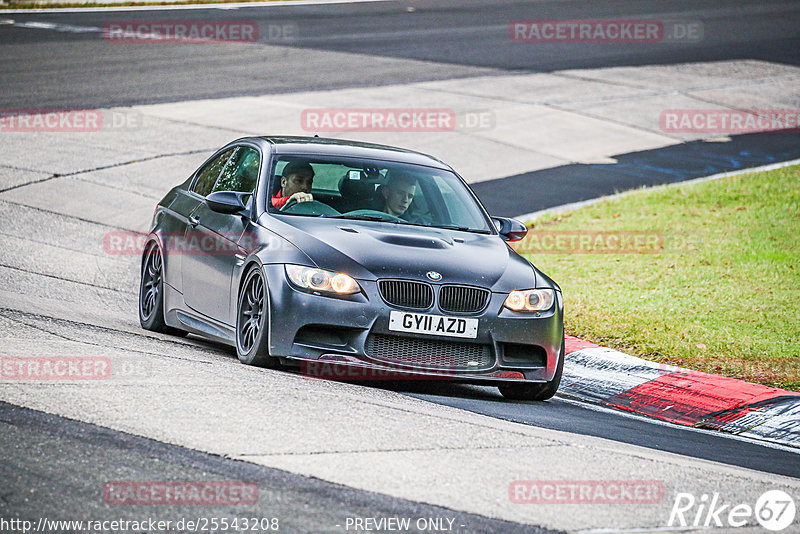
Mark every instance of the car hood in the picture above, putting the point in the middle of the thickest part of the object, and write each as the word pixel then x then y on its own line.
pixel 370 250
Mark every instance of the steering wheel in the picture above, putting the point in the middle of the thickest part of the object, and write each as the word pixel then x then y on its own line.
pixel 375 213
pixel 291 202
pixel 311 207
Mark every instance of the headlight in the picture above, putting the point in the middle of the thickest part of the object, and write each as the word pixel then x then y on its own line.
pixel 531 300
pixel 312 279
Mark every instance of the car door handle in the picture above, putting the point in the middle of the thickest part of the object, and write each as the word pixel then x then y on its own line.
pixel 193 221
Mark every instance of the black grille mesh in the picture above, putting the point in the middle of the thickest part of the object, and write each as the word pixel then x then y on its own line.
pixel 407 293
pixel 430 353
pixel 462 299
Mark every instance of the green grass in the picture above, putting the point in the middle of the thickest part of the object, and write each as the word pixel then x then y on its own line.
pixel 721 294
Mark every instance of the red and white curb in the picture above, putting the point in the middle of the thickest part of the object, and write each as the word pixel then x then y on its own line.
pixel 617 380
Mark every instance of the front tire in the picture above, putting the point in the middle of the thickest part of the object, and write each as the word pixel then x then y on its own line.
pixel 252 318
pixel 151 293
pixel 536 392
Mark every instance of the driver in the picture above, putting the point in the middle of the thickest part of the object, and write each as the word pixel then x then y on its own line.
pixel 398 193
pixel 296 182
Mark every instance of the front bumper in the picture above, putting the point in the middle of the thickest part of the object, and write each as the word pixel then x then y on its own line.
pixel 335 337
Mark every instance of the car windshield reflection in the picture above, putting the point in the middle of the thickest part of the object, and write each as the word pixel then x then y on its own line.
pixel 357 189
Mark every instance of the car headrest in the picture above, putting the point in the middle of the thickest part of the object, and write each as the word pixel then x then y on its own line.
pixel 357 189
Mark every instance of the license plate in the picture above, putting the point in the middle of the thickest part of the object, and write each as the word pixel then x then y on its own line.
pixel 436 325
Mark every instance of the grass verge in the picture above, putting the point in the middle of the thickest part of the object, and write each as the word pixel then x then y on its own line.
pixel 704 276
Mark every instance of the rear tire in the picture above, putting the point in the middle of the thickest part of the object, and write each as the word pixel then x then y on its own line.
pixel 252 318
pixel 151 293
pixel 536 392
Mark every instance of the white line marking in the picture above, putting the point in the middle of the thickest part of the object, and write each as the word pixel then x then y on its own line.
pixel 237 5
pixel 576 205
pixel 611 411
pixel 717 433
pixel 67 28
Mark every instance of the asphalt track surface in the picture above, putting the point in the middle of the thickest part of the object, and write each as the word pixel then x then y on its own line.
pixel 441 39
pixel 571 416
pixel 513 195
pixel 64 69
pixel 73 460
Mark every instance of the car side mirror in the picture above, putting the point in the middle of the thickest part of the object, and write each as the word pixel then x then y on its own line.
pixel 510 229
pixel 227 201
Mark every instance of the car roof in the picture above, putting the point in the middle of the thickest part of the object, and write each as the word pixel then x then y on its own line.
pixel 284 145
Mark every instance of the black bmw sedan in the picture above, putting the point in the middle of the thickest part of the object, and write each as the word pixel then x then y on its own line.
pixel 349 259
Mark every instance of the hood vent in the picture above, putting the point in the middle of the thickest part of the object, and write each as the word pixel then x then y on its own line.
pixel 412 241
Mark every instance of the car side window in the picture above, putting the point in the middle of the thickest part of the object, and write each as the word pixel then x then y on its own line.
pixel 207 176
pixel 241 172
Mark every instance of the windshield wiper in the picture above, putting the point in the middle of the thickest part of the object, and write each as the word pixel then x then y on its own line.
pixel 390 219
pixel 461 228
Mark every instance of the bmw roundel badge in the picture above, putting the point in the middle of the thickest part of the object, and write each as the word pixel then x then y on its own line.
pixel 433 275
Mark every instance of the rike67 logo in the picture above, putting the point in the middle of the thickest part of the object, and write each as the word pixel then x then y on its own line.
pixel 774 510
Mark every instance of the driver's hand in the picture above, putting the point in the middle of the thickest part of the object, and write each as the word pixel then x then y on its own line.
pixel 301 197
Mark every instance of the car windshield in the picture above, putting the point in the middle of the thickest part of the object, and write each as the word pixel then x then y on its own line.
pixel 368 190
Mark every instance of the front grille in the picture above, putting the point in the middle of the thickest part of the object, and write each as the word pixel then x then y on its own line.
pixel 430 353
pixel 463 299
pixel 406 293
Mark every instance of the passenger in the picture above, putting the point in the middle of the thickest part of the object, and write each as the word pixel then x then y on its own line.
pixel 296 181
pixel 398 193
